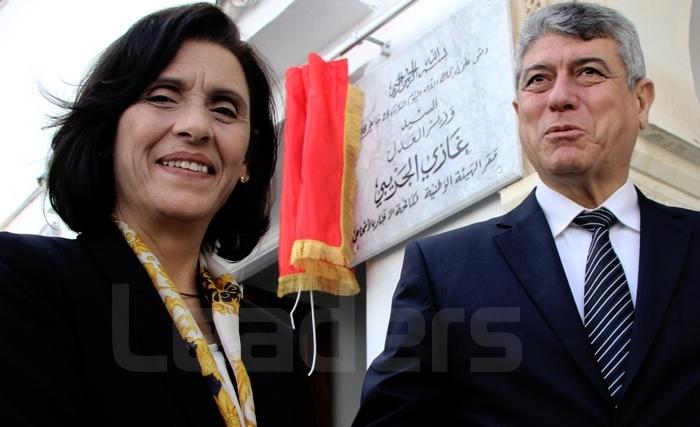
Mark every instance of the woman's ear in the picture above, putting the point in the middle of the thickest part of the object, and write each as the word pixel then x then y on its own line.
pixel 245 177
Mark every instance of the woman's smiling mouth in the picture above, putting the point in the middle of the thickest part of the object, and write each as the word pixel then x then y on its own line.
pixel 188 165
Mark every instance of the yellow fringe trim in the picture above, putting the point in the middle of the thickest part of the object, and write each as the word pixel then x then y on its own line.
pixel 326 266
pixel 304 249
pixel 354 104
pixel 327 270
pixel 292 283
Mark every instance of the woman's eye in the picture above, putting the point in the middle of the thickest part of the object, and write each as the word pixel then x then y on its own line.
pixel 159 99
pixel 225 111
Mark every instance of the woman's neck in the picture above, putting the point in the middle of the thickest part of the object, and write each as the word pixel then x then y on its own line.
pixel 176 245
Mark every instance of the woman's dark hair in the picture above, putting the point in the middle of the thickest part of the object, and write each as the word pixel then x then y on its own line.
pixel 81 175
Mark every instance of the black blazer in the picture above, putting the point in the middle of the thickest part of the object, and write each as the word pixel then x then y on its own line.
pixel 484 331
pixel 87 341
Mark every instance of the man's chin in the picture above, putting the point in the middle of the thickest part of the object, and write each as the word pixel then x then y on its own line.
pixel 568 164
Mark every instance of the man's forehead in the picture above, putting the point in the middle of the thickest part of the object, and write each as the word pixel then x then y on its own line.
pixel 555 48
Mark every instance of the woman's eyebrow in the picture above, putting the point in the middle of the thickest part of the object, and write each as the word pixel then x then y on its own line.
pixel 167 82
pixel 221 93
pixel 216 93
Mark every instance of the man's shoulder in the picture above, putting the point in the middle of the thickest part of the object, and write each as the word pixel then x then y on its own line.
pixel 482 231
pixel 685 217
pixel 477 231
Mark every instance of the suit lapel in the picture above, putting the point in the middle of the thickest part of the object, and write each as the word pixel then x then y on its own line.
pixel 662 252
pixel 135 298
pixel 528 247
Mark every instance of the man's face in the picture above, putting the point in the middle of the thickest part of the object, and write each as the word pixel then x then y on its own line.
pixel 578 119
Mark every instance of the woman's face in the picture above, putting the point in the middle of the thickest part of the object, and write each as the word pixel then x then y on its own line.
pixel 180 149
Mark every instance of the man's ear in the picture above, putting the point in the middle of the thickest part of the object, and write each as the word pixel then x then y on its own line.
pixel 515 106
pixel 645 97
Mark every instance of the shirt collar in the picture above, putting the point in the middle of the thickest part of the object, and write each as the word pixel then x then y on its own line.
pixel 560 210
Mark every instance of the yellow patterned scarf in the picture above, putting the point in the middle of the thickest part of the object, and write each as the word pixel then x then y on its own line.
pixel 225 292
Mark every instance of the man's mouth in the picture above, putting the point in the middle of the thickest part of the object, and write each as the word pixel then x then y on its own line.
pixel 564 132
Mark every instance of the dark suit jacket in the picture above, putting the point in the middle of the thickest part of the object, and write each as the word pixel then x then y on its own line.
pixel 87 341
pixel 484 331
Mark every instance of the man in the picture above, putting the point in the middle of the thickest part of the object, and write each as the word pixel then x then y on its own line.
pixel 551 315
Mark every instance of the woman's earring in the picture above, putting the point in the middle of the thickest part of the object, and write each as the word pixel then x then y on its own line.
pixel 245 178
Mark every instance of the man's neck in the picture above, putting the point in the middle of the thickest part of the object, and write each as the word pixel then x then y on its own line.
pixel 590 195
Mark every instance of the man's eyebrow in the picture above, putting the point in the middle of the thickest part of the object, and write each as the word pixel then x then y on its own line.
pixel 536 67
pixel 575 63
pixel 592 59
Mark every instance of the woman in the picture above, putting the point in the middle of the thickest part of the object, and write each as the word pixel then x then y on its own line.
pixel 165 157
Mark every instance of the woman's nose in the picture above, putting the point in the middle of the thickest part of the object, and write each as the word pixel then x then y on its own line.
pixel 193 123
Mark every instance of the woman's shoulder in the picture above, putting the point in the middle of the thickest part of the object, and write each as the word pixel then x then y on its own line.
pixel 32 242
pixel 20 249
pixel 35 265
pixel 39 320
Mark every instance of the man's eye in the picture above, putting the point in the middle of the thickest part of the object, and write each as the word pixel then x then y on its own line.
pixel 535 80
pixel 590 75
pixel 589 71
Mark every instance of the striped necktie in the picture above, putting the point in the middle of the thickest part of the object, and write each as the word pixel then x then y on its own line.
pixel 608 310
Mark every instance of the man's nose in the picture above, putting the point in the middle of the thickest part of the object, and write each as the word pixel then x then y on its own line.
pixel 563 94
pixel 193 123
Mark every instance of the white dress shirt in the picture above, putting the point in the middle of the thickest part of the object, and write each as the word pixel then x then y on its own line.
pixel 573 241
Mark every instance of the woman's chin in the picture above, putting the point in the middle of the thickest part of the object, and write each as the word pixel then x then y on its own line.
pixel 188 216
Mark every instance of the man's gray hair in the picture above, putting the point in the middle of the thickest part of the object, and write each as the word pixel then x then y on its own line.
pixel 585 21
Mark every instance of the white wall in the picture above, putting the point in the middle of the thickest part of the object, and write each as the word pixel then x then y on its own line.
pixel 383 270
pixel 50 44
pixel 665 35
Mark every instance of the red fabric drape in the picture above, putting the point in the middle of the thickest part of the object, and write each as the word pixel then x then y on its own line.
pixel 321 144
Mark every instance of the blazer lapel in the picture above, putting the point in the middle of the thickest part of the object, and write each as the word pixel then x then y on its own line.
pixel 662 252
pixel 528 247
pixel 135 298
